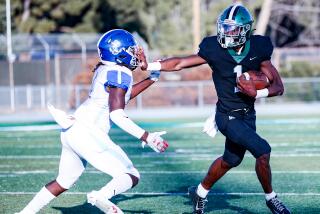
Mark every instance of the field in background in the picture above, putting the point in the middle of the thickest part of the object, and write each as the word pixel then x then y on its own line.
pixel 29 159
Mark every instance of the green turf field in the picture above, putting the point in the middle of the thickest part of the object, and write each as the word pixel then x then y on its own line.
pixel 29 159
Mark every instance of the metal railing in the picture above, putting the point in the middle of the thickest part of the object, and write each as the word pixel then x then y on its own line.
pixel 162 94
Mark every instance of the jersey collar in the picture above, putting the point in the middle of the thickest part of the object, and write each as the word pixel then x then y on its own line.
pixel 239 57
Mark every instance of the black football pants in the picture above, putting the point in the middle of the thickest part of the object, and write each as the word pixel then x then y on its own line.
pixel 239 128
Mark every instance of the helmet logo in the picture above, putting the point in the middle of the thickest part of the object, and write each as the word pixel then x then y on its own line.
pixel 115 47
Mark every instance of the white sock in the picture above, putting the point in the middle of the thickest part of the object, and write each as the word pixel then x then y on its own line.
pixel 201 191
pixel 117 185
pixel 41 199
pixel 270 195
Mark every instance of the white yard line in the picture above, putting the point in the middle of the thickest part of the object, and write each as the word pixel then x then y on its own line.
pixel 132 145
pixel 29 156
pixel 177 193
pixel 181 154
pixel 293 121
pixel 30 128
pixel 26 172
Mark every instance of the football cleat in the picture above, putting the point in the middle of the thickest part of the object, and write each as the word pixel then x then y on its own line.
pixel 96 199
pixel 197 202
pixel 277 207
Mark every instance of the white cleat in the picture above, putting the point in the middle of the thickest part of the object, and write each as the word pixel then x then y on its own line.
pixel 96 199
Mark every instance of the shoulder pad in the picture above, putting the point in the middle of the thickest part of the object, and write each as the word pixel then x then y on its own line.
pixel 119 79
pixel 207 47
pixel 263 46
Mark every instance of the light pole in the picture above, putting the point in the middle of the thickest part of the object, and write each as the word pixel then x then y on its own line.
pixel 46 47
pixel 10 55
pixel 196 24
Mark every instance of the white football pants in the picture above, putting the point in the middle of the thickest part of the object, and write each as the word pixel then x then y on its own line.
pixel 82 144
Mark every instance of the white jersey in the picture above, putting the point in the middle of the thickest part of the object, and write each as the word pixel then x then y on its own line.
pixel 87 139
pixel 95 110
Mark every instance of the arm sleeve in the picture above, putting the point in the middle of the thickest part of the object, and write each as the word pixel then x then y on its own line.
pixel 118 79
pixel 122 120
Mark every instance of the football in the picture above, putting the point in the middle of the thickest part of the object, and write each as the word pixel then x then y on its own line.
pixel 259 79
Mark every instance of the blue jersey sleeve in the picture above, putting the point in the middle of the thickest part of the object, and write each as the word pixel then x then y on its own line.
pixel 118 79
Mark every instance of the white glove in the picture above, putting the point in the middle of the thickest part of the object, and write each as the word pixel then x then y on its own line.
pixel 64 120
pixel 154 75
pixel 210 126
pixel 156 142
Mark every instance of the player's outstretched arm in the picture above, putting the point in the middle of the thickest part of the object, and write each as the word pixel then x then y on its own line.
pixel 276 86
pixel 118 116
pixel 144 84
pixel 176 63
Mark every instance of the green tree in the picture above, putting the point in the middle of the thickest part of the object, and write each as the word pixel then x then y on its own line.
pixel 166 25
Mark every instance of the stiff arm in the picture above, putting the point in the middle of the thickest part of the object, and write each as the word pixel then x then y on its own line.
pixel 176 63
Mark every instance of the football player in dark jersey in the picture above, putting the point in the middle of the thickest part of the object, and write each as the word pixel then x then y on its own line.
pixel 231 52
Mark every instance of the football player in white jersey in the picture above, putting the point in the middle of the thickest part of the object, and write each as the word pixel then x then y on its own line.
pixel 84 135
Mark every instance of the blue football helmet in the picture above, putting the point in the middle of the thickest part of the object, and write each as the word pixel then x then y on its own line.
pixel 234 26
pixel 120 47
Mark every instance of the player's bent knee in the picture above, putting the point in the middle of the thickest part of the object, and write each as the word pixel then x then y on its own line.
pixel 232 163
pixel 66 182
pixel 135 180
pixel 55 188
pixel 264 158
pixel 134 172
pixel 264 149
pixel 236 163
pixel 135 176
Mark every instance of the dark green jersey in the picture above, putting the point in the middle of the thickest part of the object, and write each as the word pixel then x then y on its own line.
pixel 227 65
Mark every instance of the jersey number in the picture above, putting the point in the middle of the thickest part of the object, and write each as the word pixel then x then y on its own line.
pixel 238 71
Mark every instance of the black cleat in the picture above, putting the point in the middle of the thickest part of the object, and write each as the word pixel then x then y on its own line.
pixel 197 202
pixel 277 207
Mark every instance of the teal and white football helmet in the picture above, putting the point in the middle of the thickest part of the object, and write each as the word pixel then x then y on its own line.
pixel 234 26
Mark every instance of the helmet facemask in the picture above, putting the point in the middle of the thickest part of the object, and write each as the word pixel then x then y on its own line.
pixel 232 35
pixel 128 57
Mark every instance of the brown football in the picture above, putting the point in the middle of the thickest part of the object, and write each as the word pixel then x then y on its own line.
pixel 259 79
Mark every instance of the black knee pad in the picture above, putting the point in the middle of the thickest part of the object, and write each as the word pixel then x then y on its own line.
pixel 231 159
pixel 262 148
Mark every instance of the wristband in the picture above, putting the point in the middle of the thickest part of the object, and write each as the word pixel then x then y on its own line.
pixel 154 66
pixel 262 93
pixel 154 75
